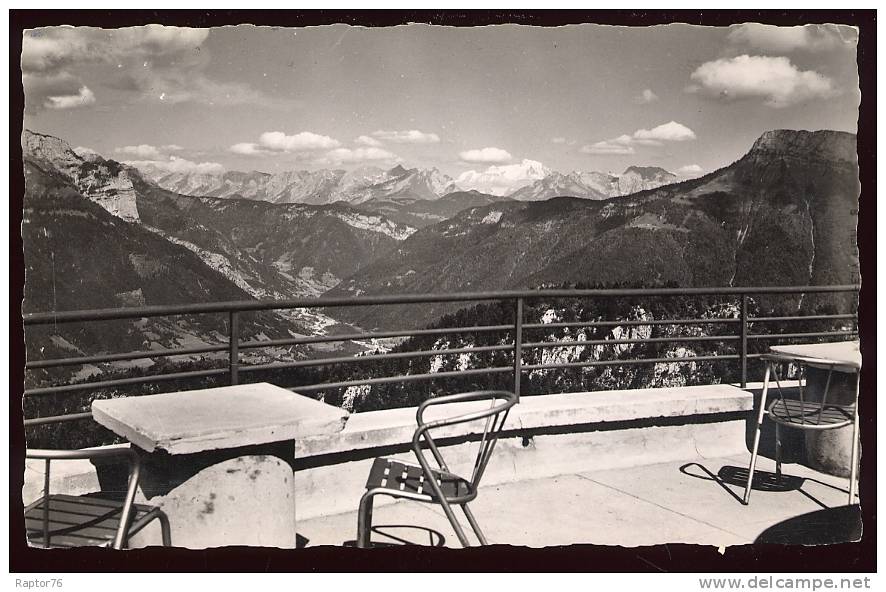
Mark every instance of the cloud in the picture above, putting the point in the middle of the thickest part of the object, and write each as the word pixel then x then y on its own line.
pixel 55 91
pixel 175 164
pixel 247 148
pixel 171 147
pixel 774 39
pixel 608 147
pixel 625 144
pixel 142 151
pixel 485 155
pixel 690 170
pixel 407 137
pixel 52 49
pixel 83 97
pixel 367 141
pixel 300 142
pixel 774 79
pixel 666 132
pixel 149 63
pixel 347 155
pixel 278 142
pixel 646 97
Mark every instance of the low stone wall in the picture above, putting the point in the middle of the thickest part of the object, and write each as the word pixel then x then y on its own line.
pixel 545 436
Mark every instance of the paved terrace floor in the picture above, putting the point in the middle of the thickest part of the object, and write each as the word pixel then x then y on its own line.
pixel 695 501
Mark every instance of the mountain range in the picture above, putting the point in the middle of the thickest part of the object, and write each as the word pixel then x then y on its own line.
pixel 96 234
pixel 370 185
pixel 784 214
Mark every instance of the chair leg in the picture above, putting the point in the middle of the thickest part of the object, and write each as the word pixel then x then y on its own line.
pixel 855 458
pixel 778 451
pixel 165 532
pixel 474 525
pixel 364 520
pixel 459 531
pixel 753 465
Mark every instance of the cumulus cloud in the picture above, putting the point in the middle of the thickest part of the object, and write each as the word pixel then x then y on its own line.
pixel 690 170
pixel 485 155
pixel 300 142
pixel 172 147
pixel 142 151
pixel 407 137
pixel 175 164
pixel 247 148
pixel 279 142
pixel 149 63
pixel 774 39
pixel 646 97
pixel 774 79
pixel 367 141
pixel 666 132
pixel 83 97
pixel 625 144
pixel 368 154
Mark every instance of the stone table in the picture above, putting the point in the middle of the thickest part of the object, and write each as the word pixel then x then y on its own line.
pixel 219 461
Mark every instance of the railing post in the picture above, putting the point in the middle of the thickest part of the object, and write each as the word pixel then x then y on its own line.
pixel 518 345
pixel 744 340
pixel 234 344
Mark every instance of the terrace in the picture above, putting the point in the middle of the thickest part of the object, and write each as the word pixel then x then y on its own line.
pixel 623 466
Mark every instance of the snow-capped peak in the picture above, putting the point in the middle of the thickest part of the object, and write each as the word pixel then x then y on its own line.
pixel 503 179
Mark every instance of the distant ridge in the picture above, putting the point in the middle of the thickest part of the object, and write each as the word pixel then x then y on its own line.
pixel 784 214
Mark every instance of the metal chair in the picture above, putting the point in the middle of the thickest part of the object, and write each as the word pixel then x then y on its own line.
pixel 437 485
pixel 805 414
pixel 60 520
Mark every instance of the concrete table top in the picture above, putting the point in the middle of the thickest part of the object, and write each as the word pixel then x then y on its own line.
pixel 213 419
pixel 845 354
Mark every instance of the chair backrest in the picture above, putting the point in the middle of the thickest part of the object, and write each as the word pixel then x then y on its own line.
pixel 495 415
pixel 90 454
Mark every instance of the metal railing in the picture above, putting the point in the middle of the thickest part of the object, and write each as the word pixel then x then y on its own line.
pixel 517 344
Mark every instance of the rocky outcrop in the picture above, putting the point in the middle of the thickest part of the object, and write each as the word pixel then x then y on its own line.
pixel 105 182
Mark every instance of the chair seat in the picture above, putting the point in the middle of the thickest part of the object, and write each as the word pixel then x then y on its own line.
pixel 810 415
pixel 397 476
pixel 82 521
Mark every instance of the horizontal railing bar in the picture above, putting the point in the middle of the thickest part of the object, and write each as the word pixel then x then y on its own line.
pixel 50 390
pixel 802 318
pixel 549 344
pixel 44 318
pixel 127 356
pixel 376 335
pixel 372 357
pixel 56 419
pixel 637 361
pixel 406 378
pixel 630 323
pixel 799 335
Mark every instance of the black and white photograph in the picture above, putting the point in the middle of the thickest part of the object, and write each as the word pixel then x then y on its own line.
pixel 387 285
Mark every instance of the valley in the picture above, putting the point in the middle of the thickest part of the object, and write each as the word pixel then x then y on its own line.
pixel 102 234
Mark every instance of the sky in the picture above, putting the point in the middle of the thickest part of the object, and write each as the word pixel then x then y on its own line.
pixel 686 98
